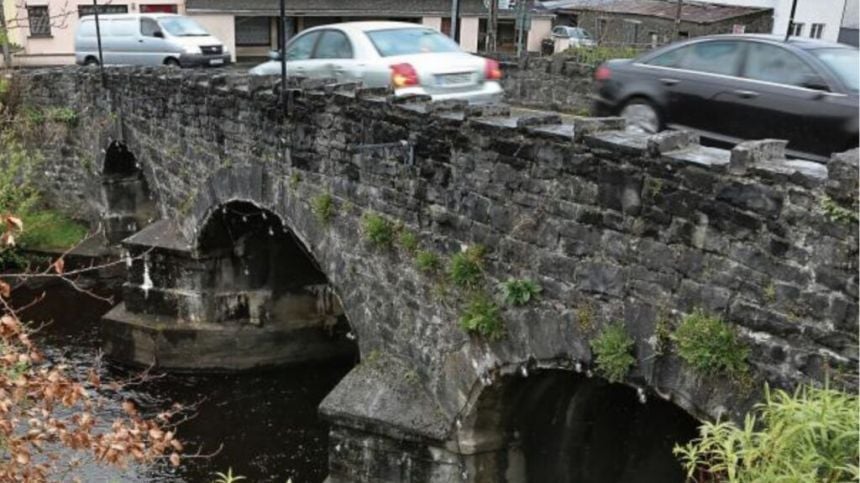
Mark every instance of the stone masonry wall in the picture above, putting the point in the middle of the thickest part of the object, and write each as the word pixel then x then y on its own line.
pixel 553 83
pixel 614 226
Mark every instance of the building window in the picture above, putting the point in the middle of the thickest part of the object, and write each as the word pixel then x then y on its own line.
pixel 40 22
pixel 84 10
pixel 796 29
pixel 158 9
pixel 253 32
pixel 816 30
pixel 631 31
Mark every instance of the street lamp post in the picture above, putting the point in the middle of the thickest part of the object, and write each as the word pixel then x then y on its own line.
pixel 99 40
pixel 283 52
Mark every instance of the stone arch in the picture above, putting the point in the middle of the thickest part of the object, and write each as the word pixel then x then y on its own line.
pixel 129 204
pixel 564 426
pixel 260 273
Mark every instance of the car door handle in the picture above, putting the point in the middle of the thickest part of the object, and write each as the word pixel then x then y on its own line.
pixel 746 94
pixel 669 82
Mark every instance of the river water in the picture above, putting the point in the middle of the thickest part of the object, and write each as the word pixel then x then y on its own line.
pixel 264 425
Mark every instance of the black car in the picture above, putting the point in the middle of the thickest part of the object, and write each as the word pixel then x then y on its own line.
pixel 731 88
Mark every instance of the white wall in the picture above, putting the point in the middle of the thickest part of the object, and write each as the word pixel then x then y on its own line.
pixel 469 34
pixel 828 12
pixel 435 22
pixel 541 28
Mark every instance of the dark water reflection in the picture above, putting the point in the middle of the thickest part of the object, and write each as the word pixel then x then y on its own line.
pixel 265 423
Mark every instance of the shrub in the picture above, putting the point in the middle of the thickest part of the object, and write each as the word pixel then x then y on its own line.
pixel 467 266
pixel 811 435
pixel 482 318
pixel 323 207
pixel 710 345
pixel 377 230
pixel 427 261
pixel 50 230
pixel 612 352
pixel 836 213
pixel 408 240
pixel 519 291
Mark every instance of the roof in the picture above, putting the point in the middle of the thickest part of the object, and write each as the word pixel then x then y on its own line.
pixel 696 12
pixel 343 8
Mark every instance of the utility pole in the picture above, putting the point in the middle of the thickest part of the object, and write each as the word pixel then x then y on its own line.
pixel 493 27
pixel 4 37
pixel 99 40
pixel 791 20
pixel 455 20
pixel 678 20
pixel 283 53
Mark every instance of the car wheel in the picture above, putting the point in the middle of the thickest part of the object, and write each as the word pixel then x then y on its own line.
pixel 91 61
pixel 171 62
pixel 641 116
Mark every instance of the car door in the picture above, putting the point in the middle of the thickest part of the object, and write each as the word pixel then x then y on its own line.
pixel 774 101
pixel 153 48
pixel 334 57
pixel 300 52
pixel 699 88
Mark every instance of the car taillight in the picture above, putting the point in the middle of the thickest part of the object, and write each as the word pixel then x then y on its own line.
pixel 403 75
pixel 602 73
pixel 492 70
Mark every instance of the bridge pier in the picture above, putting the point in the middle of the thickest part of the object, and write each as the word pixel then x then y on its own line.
pixel 245 297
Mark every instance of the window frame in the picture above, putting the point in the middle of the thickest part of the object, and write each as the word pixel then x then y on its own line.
pixel 298 37
pixel 796 55
pixel 268 42
pixel 816 30
pixel 45 31
pixel 323 32
pixel 157 27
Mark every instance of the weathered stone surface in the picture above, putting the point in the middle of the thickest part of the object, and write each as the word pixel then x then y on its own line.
pixel 610 232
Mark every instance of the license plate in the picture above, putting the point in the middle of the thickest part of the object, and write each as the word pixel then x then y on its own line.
pixel 216 61
pixel 454 79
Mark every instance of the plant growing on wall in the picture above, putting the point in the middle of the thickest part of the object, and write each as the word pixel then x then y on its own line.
pixel 377 230
pixel 427 261
pixel 323 208
pixel 467 267
pixel 612 352
pixel 810 435
pixel 710 346
pixel 482 317
pixel 519 291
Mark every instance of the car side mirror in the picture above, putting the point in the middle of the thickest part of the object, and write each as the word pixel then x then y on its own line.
pixel 815 82
pixel 274 55
pixel 158 34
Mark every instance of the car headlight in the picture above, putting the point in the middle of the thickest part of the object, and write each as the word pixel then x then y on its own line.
pixel 192 49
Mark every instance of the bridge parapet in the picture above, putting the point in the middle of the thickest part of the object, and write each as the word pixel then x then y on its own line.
pixel 614 226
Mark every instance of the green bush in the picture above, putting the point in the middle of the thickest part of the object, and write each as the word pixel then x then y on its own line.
pixel 808 436
pixel 467 267
pixel 710 345
pixel 49 230
pixel 482 317
pixel 427 261
pixel 612 352
pixel 377 230
pixel 519 291
pixel 323 208
pixel 408 240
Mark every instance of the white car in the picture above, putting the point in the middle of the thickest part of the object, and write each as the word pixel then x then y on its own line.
pixel 410 58
pixel 566 37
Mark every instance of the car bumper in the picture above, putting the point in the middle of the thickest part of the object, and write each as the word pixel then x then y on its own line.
pixel 488 92
pixel 202 60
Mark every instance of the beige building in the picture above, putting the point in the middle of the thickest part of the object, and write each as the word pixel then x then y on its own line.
pixel 43 31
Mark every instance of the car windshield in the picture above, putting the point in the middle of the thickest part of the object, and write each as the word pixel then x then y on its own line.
pixel 579 33
pixel 408 41
pixel 182 27
pixel 844 63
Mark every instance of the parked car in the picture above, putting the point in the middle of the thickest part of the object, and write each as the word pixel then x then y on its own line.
pixel 410 58
pixel 731 88
pixel 148 39
pixel 567 37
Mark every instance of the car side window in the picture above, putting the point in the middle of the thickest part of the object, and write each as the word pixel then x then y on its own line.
pixel 333 45
pixel 148 27
pixel 302 47
pixel 771 63
pixel 721 57
pixel 560 31
pixel 671 58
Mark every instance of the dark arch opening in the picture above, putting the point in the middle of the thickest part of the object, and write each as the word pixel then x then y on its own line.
pixel 566 427
pixel 259 272
pixel 129 204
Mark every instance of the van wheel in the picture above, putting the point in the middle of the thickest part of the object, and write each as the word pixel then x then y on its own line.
pixel 641 116
pixel 171 62
pixel 91 61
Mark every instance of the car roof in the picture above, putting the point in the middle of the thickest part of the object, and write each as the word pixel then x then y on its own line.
pixel 113 16
pixel 370 26
pixel 803 43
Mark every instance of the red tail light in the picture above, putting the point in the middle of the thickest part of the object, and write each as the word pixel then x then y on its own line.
pixel 492 71
pixel 602 73
pixel 403 75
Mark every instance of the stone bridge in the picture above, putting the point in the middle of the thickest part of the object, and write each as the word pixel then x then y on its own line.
pixel 274 234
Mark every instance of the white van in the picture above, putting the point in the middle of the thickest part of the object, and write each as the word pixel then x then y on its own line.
pixel 148 39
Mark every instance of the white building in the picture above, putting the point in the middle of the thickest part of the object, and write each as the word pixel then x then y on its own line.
pixel 813 18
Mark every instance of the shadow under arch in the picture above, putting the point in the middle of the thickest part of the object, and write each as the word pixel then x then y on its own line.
pixel 129 203
pixel 258 272
pixel 561 426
